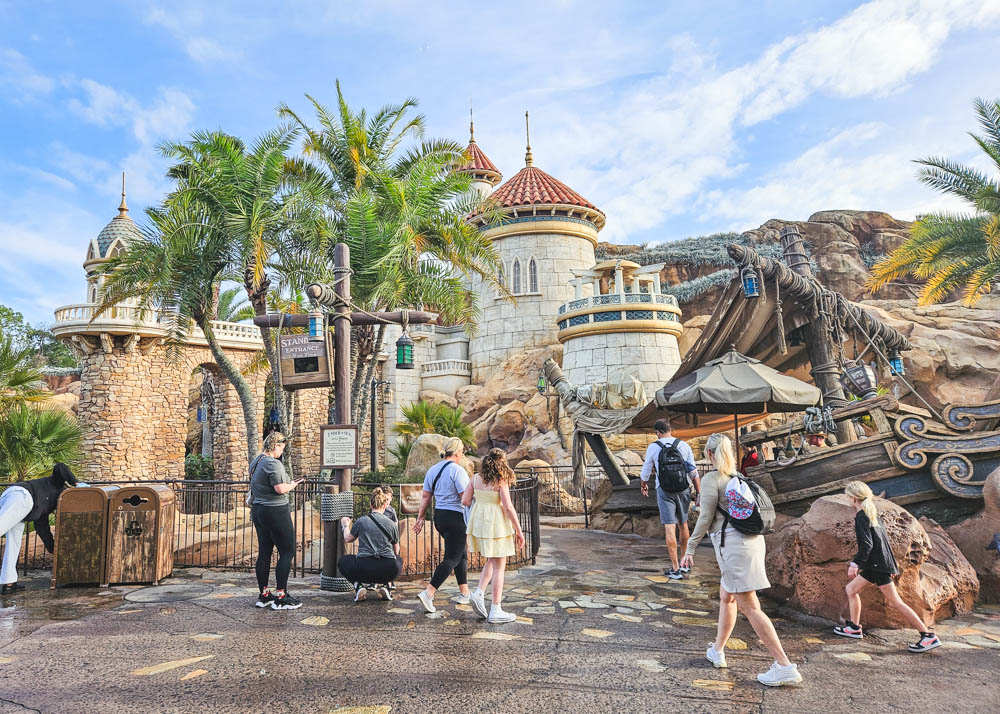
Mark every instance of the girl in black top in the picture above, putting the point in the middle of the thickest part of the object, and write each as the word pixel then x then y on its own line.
pixel 874 564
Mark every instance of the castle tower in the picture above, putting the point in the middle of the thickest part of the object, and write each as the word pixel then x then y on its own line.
pixel 548 232
pixel 134 396
pixel 624 324
pixel 484 174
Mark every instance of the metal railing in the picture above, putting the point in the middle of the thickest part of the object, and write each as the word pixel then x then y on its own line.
pixel 212 528
pixel 616 299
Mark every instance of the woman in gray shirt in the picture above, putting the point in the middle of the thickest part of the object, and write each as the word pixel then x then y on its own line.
pixel 377 561
pixel 269 487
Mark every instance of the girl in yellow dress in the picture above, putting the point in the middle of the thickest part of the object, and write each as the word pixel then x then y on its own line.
pixel 493 530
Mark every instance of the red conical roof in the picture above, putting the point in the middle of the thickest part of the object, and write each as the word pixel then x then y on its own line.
pixel 478 160
pixel 533 187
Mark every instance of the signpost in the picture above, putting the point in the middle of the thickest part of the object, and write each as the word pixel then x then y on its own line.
pixel 305 363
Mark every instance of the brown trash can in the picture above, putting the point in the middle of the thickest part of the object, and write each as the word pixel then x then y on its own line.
pixel 80 556
pixel 141 534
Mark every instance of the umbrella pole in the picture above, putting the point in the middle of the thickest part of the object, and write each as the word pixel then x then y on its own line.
pixel 736 441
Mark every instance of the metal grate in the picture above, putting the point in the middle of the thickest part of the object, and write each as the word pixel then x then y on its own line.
pixel 607 316
pixel 579 320
pixel 638 314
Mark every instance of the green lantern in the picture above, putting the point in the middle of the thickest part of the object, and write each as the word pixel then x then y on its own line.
pixel 542 384
pixel 404 352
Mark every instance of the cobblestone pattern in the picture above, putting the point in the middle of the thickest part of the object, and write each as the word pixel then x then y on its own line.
pixel 652 358
pixel 506 328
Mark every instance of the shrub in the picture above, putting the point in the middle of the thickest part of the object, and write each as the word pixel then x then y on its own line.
pixel 199 468
pixel 433 418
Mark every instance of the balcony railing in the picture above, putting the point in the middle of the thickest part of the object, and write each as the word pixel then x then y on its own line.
pixel 616 299
pixel 130 316
pixel 447 366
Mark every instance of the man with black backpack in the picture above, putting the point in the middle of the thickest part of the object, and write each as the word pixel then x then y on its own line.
pixel 673 462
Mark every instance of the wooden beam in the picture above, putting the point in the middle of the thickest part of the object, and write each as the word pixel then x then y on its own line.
pixel 606 459
pixel 831 486
pixel 855 409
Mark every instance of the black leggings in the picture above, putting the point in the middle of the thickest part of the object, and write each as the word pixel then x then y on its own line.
pixel 451 526
pixel 370 570
pixel 274 529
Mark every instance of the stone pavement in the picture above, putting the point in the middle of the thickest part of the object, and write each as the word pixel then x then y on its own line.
pixel 600 631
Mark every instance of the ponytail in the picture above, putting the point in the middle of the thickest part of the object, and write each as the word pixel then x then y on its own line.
pixel 723 458
pixel 861 491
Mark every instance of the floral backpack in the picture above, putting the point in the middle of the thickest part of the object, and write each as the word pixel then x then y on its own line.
pixel 749 509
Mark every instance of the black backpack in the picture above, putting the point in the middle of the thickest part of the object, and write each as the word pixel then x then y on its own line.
pixel 671 471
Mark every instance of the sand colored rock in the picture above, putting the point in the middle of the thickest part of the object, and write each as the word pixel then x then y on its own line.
pixel 692 331
pixel 631 461
pixel 537 412
pixel 807 561
pixel 429 395
pixel 974 534
pixel 472 402
pixel 481 430
pixel 508 426
pixel 426 451
pixel 552 497
pixel 540 445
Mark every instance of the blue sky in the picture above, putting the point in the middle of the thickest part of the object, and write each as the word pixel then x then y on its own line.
pixel 675 118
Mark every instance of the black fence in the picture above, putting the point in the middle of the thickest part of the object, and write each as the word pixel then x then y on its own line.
pixel 561 493
pixel 213 529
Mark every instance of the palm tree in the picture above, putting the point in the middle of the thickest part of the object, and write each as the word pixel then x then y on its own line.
pixel 20 380
pixel 271 225
pixel 233 306
pixel 395 210
pixel 32 440
pixel 954 251
pixel 433 418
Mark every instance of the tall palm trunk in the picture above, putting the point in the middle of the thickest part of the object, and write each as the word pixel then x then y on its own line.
pixel 239 383
pixel 366 383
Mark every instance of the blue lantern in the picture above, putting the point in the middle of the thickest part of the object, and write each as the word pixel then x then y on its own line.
pixel 751 283
pixel 896 364
pixel 202 415
pixel 316 326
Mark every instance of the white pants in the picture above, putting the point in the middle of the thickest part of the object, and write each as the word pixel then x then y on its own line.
pixel 15 504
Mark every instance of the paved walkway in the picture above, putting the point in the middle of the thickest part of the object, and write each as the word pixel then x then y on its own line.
pixel 600 631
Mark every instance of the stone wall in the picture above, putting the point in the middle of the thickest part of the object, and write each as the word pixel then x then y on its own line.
pixel 312 411
pixel 507 328
pixel 651 357
pixel 134 406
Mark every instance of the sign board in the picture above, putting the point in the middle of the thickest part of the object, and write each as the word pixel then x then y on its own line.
pixel 304 362
pixel 339 447
pixel 409 497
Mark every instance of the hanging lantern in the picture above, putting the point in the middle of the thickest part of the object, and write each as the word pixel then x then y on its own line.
pixel 316 326
pixel 859 379
pixel 274 416
pixel 202 415
pixel 751 282
pixel 896 364
pixel 387 395
pixel 542 384
pixel 404 352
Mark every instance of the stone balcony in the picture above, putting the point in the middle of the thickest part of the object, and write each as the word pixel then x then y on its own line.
pixel 130 320
pixel 619 312
pixel 618 299
pixel 446 366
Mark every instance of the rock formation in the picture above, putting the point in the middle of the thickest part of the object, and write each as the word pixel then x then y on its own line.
pixel 426 451
pixel 807 561
pixel 973 535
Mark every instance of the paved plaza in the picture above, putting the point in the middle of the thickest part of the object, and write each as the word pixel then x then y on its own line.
pixel 600 631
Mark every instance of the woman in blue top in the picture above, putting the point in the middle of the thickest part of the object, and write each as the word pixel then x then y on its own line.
pixel 446 481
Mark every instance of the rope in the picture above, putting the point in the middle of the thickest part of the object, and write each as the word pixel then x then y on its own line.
pixel 782 344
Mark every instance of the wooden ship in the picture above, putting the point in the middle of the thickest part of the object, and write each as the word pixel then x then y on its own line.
pixel 775 311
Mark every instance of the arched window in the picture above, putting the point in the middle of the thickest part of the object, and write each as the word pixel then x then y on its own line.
pixel 92 298
pixel 502 279
pixel 532 276
pixel 516 277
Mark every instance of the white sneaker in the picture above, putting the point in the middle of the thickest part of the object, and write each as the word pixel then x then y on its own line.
pixel 498 616
pixel 360 592
pixel 427 601
pixel 718 659
pixel 461 599
pixel 779 676
pixel 383 592
pixel 478 602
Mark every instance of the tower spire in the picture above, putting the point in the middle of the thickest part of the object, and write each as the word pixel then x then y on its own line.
pixel 472 129
pixel 529 160
pixel 122 208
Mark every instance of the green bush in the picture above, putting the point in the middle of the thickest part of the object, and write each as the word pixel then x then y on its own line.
pixel 199 468
pixel 432 418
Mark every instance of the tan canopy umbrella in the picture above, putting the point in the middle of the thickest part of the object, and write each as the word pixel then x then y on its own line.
pixel 732 384
pixel 736 384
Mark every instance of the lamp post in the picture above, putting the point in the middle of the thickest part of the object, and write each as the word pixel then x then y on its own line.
pixel 373 445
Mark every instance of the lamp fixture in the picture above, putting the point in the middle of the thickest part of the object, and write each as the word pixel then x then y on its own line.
pixel 404 352
pixel 751 282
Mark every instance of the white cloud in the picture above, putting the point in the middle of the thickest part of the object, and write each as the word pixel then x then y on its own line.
pixel 17 75
pixel 183 22
pixel 104 104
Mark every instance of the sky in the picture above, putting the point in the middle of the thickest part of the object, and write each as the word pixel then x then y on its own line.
pixel 675 118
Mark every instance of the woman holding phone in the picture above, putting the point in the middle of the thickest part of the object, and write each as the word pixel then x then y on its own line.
pixel 272 520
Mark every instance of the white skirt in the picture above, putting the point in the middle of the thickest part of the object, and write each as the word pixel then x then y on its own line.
pixel 741 561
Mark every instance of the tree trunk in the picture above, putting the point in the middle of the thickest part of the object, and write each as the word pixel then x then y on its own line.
pixel 356 372
pixel 366 383
pixel 241 386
